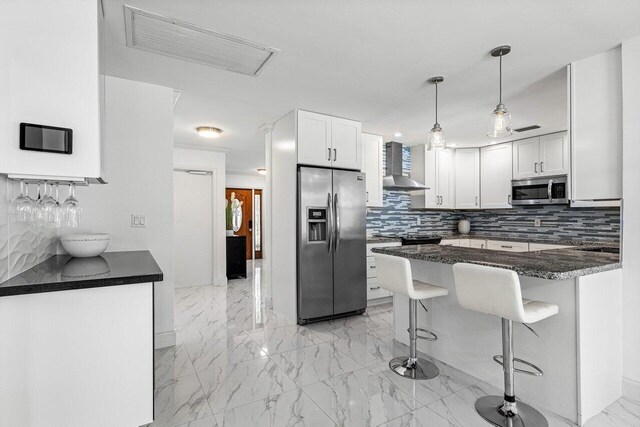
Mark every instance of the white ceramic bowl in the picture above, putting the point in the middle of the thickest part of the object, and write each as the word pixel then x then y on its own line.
pixel 85 245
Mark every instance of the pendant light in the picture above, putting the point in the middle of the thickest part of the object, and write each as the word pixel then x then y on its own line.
pixel 436 139
pixel 500 123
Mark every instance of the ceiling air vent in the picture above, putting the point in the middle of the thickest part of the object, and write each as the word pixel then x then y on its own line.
pixel 527 128
pixel 171 37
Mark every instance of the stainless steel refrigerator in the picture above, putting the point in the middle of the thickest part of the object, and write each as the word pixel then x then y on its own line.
pixel 331 268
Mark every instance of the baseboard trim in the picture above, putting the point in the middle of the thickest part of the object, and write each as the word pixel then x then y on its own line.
pixel 631 389
pixel 165 339
pixel 220 281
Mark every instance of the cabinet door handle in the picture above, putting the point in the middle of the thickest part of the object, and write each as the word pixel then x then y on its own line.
pixel 372 266
pixel 476 200
pixel 541 166
pixel 506 246
pixel 535 167
pixel 329 157
pixel 335 154
pixel 373 288
pixel 367 196
pixel 481 245
pixel 509 199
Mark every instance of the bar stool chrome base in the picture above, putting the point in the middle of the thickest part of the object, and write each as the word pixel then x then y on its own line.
pixel 420 369
pixel 489 408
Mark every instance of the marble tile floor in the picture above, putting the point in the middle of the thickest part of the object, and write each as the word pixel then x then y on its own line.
pixel 237 363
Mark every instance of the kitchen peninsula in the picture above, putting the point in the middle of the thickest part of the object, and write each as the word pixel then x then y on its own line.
pixel 77 338
pixel 579 350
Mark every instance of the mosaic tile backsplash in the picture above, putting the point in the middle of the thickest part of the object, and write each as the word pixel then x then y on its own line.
pixel 582 224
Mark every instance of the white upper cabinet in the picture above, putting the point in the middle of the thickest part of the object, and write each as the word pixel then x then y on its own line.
pixel 436 169
pixel 50 75
pixel 554 154
pixel 546 155
pixel 372 147
pixel 467 178
pixel 329 141
pixel 314 139
pixel 526 158
pixel 596 128
pixel 346 143
pixel 445 175
pixel 495 174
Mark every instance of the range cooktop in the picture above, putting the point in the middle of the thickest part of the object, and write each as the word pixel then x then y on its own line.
pixel 416 239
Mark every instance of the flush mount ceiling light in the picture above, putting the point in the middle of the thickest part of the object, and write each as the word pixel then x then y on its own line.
pixel 500 124
pixel 208 132
pixel 262 171
pixel 397 134
pixel 436 139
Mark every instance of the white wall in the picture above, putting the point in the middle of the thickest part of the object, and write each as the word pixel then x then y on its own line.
pixel 631 218
pixel 188 158
pixel 138 164
pixel 240 180
pixel 50 75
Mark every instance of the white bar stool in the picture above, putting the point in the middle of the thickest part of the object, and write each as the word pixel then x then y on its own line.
pixel 497 291
pixel 394 274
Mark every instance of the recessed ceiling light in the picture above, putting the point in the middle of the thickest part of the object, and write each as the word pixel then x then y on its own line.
pixel 397 134
pixel 208 131
pixel 262 171
pixel 453 145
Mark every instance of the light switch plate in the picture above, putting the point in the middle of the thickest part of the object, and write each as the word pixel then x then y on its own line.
pixel 536 222
pixel 138 221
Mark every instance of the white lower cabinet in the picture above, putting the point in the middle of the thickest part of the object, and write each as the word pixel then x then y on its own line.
pixel 478 244
pixel 499 245
pixel 450 242
pixel 374 291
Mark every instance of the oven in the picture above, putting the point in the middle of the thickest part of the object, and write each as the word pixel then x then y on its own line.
pixel 551 190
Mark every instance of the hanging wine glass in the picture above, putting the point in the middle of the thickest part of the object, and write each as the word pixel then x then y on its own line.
pixel 57 210
pixel 71 208
pixel 48 205
pixel 37 214
pixel 21 206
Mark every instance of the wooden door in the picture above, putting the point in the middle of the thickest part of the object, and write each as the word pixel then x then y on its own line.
pixel 246 222
pixel 258 241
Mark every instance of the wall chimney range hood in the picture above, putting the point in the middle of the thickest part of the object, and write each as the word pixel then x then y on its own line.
pixel 393 178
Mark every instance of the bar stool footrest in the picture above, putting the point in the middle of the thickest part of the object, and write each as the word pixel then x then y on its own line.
pixel 432 336
pixel 537 372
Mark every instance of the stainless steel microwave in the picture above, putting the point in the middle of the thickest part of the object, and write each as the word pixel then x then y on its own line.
pixel 551 190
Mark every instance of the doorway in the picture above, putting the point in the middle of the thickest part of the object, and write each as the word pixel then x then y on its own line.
pixel 247 219
pixel 193 227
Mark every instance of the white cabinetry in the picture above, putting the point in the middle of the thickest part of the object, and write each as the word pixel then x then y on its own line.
pixel 495 162
pixel 328 141
pixel 374 291
pixel 436 168
pixel 372 167
pixel 499 245
pixel 541 156
pixel 467 178
pixel 596 129
pixel 50 75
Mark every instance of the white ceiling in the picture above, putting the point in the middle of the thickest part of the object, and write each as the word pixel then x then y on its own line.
pixel 369 60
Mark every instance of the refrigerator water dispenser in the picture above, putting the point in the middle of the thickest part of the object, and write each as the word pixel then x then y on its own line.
pixel 317 224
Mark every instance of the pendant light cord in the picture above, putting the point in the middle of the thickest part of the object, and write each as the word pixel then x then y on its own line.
pixel 436 102
pixel 500 79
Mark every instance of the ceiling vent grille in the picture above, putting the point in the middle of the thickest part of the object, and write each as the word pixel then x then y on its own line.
pixel 527 128
pixel 182 40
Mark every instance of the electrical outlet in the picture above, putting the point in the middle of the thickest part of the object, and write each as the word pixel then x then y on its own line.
pixel 536 222
pixel 138 221
pixel 420 220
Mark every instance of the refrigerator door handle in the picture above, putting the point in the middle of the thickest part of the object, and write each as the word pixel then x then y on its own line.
pixel 329 221
pixel 337 221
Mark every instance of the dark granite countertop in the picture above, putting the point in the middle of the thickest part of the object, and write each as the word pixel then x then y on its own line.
pixel 382 239
pixel 507 238
pixel 63 273
pixel 555 264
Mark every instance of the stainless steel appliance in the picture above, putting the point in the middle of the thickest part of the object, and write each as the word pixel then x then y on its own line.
pixel 393 177
pixel 540 191
pixel 331 273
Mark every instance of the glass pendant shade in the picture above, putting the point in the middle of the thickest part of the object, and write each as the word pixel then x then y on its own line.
pixel 500 123
pixel 436 139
